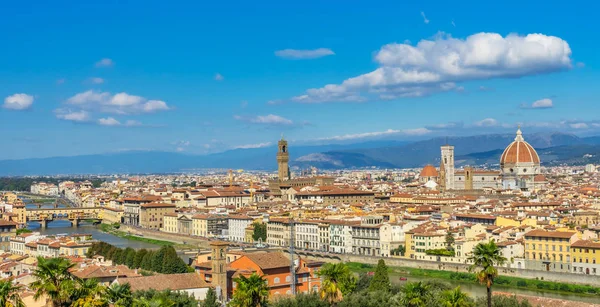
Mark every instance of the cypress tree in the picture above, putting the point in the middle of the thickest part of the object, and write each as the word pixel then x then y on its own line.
pixel 139 256
pixel 211 299
pixel 381 279
pixel 130 256
pixel 158 259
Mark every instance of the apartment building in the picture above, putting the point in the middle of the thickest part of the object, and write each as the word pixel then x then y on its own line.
pixel 278 231
pixel 549 250
pixel 585 256
pixel 307 234
pixel 151 214
pixel 237 225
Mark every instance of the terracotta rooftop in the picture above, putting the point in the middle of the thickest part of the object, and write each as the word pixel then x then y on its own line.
pixel 163 282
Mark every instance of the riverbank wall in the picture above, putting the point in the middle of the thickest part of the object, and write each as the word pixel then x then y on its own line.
pixel 171 237
pixel 455 267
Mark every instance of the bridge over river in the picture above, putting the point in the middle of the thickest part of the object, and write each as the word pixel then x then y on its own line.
pixel 74 215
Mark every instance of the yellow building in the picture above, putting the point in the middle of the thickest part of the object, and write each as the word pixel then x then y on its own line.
pixel 111 215
pixel 151 214
pixel 504 222
pixel 585 256
pixel 548 250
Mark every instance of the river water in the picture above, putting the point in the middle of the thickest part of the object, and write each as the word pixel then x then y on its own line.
pixel 476 290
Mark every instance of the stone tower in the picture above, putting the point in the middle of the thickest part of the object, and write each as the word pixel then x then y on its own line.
pixel 448 160
pixel 442 179
pixel 283 158
pixel 469 178
pixel 219 268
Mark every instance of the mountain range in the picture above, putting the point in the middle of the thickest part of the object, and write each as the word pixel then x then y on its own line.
pixel 553 148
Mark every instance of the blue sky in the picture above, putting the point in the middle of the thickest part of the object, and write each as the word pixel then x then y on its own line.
pixel 83 77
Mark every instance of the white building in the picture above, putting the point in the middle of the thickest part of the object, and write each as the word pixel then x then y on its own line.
pixel 340 240
pixel 307 235
pixel 237 225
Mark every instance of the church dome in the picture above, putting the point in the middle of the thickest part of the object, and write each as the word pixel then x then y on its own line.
pixel 519 152
pixel 429 171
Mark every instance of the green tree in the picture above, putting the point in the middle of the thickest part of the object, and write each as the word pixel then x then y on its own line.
pixel 23 230
pixel 158 260
pixel 211 299
pixel 416 294
pixel 337 282
pixel 381 279
pixel 153 302
pixel 9 294
pixel 449 241
pixel 118 295
pixel 53 279
pixel 250 291
pixel 129 257
pixel 139 256
pixel 147 261
pixel 260 231
pixel 456 298
pixel 172 264
pixel 485 258
pixel 363 282
pixel 300 300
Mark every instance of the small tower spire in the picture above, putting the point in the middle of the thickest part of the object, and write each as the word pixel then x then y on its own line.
pixel 519 137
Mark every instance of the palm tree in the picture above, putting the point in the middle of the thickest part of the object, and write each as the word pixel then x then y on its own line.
pixel 119 295
pixel 485 257
pixel 9 294
pixel 415 294
pixel 456 298
pixel 250 291
pixel 54 280
pixel 87 292
pixel 335 276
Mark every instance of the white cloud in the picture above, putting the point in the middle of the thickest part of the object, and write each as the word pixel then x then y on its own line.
pixel 452 23
pixel 425 20
pixel 121 103
pixel 297 54
pixel 249 146
pixel 96 80
pixel 18 102
pixel 60 81
pixel 485 89
pixel 219 77
pixel 542 104
pixel 270 119
pixel 407 132
pixel 75 116
pixel 579 125
pixel 488 122
pixel 243 104
pixel 436 65
pixel 109 121
pixel 105 63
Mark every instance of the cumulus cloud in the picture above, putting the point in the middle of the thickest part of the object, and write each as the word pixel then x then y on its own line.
pixel 450 125
pixel 542 104
pixel 219 77
pixel 425 20
pixel 249 146
pixel 298 54
pixel 74 116
pixel 181 145
pixel 121 103
pixel 488 122
pixel 105 63
pixel 437 65
pixel 18 102
pixel 389 132
pixel 271 119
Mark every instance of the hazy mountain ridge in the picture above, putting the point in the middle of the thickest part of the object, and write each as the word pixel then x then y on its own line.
pixel 554 148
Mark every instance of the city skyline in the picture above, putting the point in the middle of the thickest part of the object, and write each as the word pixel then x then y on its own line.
pixel 202 78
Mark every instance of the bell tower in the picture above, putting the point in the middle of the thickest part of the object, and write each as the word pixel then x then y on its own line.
pixel 283 158
pixel 219 268
pixel 448 160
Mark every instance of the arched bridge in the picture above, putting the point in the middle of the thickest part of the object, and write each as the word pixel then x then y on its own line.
pixel 74 215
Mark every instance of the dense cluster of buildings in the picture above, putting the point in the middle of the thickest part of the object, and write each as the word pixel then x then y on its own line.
pixel 541 218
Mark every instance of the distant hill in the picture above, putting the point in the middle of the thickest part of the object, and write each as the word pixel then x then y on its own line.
pixel 428 152
pixel 554 148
